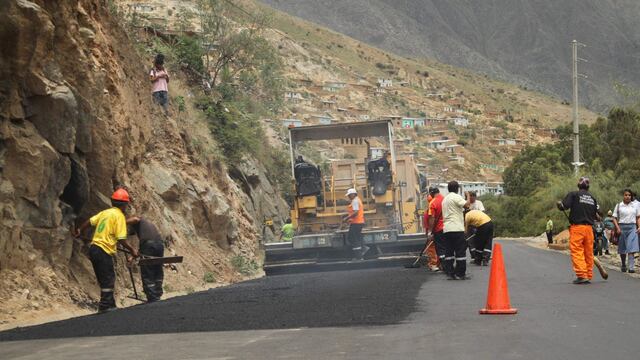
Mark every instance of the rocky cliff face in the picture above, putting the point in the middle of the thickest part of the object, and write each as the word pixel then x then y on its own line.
pixel 76 120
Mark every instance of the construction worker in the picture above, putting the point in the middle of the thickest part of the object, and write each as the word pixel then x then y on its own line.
pixel 474 203
pixel 111 228
pixel 483 240
pixel 355 218
pixel 583 214
pixel 151 244
pixel 549 230
pixel 434 227
pixel 453 206
pixel 287 231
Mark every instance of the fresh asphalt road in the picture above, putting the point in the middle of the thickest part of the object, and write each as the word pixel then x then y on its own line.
pixel 363 313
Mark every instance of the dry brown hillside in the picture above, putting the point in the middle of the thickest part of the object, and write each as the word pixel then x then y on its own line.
pixel 76 120
pixel 338 76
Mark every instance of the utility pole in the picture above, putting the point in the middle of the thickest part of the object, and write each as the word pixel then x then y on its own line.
pixel 576 126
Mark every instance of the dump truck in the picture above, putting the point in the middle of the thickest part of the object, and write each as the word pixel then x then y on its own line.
pixel 388 184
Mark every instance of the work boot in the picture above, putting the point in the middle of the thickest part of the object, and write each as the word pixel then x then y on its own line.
pixel 632 271
pixel 581 281
pixel 365 248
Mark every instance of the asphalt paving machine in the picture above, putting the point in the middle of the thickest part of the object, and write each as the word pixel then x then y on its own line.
pixel 387 183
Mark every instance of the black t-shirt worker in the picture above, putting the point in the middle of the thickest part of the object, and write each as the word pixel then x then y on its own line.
pixel 151 244
pixel 583 213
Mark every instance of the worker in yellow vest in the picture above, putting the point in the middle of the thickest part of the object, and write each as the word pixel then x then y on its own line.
pixel 355 218
pixel 111 229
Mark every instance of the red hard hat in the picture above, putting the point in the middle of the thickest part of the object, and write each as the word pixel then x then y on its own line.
pixel 120 195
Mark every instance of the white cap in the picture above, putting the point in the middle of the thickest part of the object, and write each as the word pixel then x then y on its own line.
pixel 351 191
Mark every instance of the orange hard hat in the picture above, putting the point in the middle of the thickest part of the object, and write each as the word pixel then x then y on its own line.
pixel 120 195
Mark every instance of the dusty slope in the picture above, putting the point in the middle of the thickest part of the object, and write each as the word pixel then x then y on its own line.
pixel 76 121
pixel 521 41
pixel 317 57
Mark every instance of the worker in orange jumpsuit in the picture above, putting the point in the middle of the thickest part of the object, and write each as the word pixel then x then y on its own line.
pixel 434 225
pixel 433 262
pixel 583 213
pixel 355 219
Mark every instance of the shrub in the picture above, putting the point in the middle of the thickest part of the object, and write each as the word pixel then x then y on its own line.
pixel 209 277
pixel 243 265
pixel 189 53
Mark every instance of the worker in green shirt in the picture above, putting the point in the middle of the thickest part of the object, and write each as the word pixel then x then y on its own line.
pixel 549 229
pixel 287 232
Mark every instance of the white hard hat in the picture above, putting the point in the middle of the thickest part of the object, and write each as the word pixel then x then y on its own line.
pixel 351 191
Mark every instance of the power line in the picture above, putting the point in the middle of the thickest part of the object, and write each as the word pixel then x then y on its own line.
pixel 608 52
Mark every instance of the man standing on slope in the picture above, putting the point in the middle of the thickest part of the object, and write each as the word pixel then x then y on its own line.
pixel 435 225
pixel 111 228
pixel 453 207
pixel 355 218
pixel 584 208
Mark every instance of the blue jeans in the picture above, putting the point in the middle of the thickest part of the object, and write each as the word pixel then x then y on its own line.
pixel 162 98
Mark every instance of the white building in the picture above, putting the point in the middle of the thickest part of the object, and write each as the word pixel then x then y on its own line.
pixel 460 121
pixel 439 145
pixel 385 83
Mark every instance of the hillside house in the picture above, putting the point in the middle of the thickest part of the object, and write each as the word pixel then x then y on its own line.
pixel 409 123
pixel 495 188
pixel 303 82
pixel 439 145
pixel 291 123
pixel 451 148
pixel 142 7
pixel 333 86
pixel 328 104
pixel 505 142
pixel 380 91
pixel 456 159
pixel 459 121
pixel 493 167
pixel 325 119
pixel 479 187
pixel 435 121
pixel 293 97
pixel 385 83
pixel 394 118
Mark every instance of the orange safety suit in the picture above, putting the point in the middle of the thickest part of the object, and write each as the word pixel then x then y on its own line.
pixel 359 218
pixel 434 261
pixel 581 247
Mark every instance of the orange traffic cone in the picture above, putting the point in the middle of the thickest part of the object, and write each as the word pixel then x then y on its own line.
pixel 498 296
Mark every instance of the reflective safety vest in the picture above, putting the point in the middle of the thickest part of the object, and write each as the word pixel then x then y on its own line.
pixel 359 219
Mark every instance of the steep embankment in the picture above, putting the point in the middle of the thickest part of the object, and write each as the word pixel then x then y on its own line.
pixel 76 121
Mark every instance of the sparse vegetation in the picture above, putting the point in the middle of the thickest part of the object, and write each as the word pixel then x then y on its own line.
pixel 209 277
pixel 243 265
